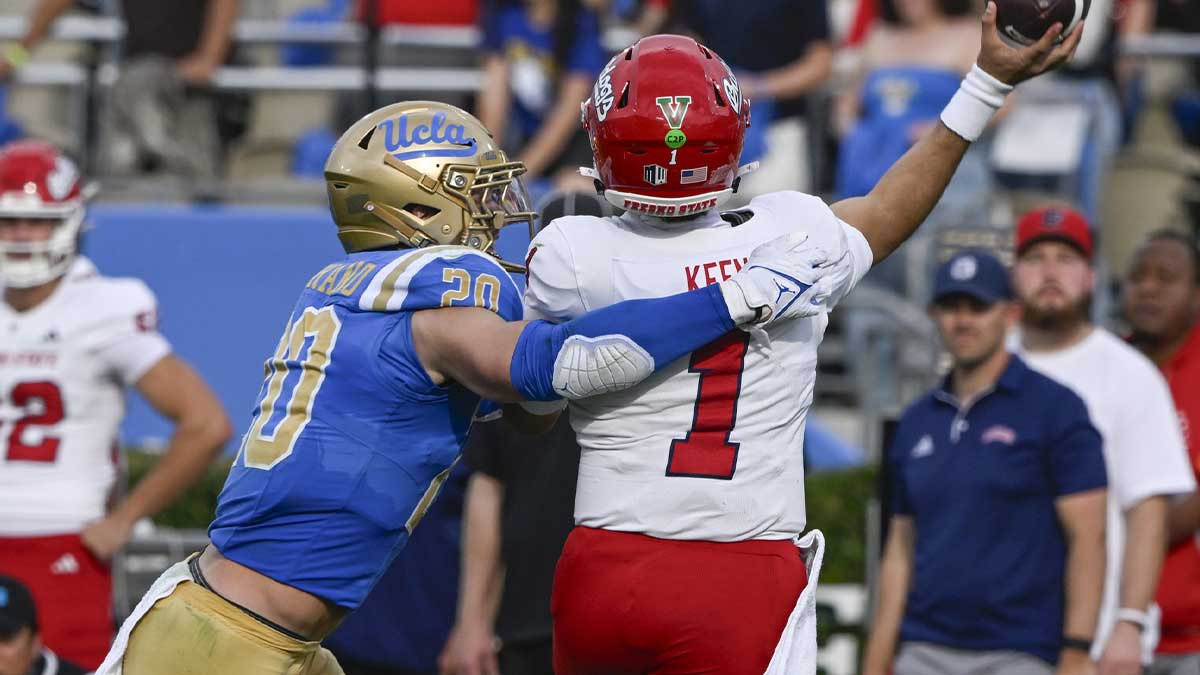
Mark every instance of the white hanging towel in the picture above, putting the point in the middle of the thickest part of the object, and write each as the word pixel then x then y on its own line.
pixel 161 588
pixel 796 652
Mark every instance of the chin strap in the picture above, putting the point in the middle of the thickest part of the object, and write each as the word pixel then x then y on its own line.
pixel 668 207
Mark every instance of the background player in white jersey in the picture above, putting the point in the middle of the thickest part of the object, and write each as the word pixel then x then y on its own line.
pixel 1129 402
pixel 73 341
pixel 690 489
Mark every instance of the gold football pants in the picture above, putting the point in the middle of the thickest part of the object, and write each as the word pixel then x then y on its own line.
pixel 194 631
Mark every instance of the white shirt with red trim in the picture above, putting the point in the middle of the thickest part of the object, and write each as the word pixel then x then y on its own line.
pixel 710 447
pixel 64 369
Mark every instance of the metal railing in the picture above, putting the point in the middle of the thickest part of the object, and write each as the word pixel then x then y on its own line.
pixel 279 78
pixel 274 31
pixel 1163 45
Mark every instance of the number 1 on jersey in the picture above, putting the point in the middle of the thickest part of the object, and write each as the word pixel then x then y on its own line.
pixel 706 451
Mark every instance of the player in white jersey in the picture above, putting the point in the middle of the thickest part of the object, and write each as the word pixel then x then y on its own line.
pixel 690 496
pixel 1131 405
pixel 73 342
pixel 731 413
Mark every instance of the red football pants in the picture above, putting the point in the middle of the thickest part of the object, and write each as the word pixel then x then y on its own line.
pixel 72 590
pixel 632 604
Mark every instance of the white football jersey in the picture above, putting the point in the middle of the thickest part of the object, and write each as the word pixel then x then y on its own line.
pixel 64 367
pixel 711 446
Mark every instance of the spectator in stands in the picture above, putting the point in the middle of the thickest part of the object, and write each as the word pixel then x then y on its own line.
pixel 781 51
pixel 911 62
pixel 162 114
pixel 401 626
pixel 540 58
pixel 75 343
pixel 646 17
pixel 1161 302
pixel 1181 16
pixel 1129 403
pixel 995 552
pixel 1168 16
pixel 21 649
pixel 520 508
pixel 911 65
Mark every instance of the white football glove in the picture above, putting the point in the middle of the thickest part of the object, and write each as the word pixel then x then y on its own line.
pixel 783 279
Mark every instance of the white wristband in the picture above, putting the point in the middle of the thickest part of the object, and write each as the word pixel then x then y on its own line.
pixel 974 104
pixel 1134 616
pixel 740 308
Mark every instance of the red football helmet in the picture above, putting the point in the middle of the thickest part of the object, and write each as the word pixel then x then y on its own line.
pixel 38 182
pixel 666 120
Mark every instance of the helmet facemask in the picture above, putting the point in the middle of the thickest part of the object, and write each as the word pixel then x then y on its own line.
pixel 38 183
pixel 496 198
pixel 491 195
pixel 33 263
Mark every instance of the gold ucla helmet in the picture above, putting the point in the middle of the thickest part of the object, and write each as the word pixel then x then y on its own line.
pixel 422 173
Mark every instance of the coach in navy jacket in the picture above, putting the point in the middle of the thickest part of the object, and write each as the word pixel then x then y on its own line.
pixel 995 555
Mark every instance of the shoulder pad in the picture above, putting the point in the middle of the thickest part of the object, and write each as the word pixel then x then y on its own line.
pixel 104 297
pixel 442 276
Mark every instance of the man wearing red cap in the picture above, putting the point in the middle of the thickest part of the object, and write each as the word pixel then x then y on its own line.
pixel 1129 402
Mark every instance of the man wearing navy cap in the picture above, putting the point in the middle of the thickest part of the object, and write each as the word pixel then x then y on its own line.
pixel 21 650
pixel 1130 404
pixel 995 555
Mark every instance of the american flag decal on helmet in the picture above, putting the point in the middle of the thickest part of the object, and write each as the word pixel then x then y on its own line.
pixel 688 176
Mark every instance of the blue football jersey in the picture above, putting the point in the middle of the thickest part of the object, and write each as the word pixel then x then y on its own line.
pixel 350 440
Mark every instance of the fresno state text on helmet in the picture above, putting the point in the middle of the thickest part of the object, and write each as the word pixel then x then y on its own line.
pixel 668 210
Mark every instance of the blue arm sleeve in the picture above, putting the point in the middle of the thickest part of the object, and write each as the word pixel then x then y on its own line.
pixel 665 328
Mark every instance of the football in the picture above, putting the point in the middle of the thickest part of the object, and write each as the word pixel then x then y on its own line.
pixel 1023 22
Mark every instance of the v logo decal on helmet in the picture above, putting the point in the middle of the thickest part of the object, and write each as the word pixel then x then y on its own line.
pixel 674 108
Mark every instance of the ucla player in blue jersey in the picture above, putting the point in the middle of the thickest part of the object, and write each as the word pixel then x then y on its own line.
pixel 368 397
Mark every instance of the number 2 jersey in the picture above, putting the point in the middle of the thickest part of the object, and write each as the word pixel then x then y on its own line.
pixel 64 368
pixel 349 440
pixel 710 447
